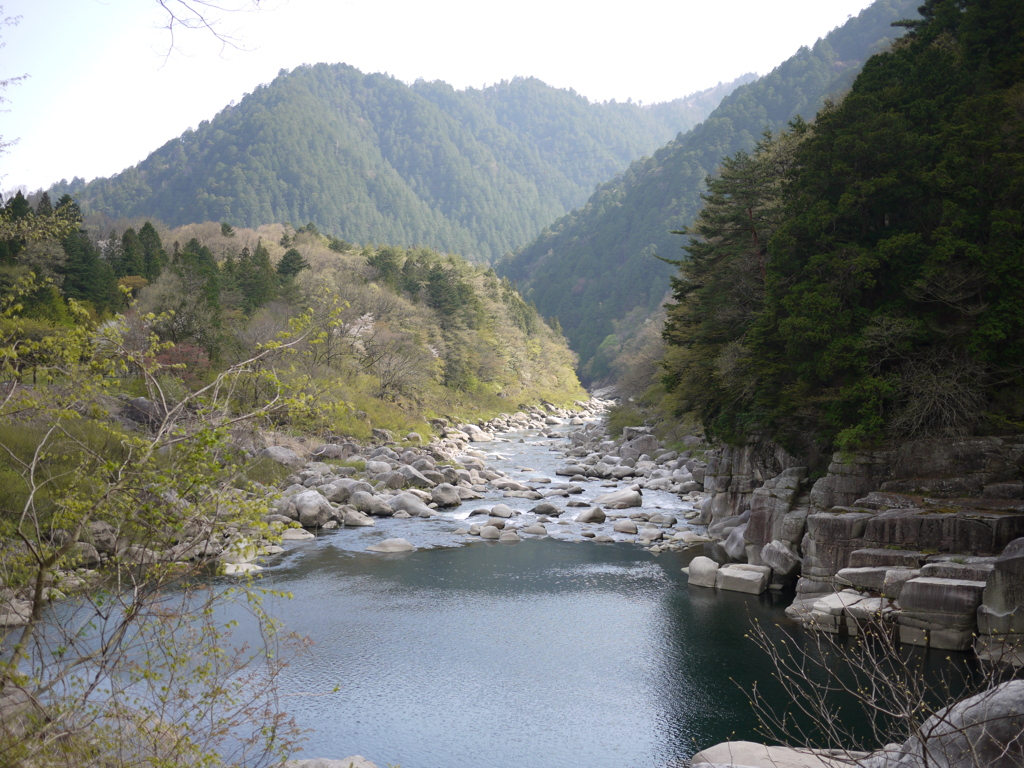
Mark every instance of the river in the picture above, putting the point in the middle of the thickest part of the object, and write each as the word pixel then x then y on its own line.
pixel 551 652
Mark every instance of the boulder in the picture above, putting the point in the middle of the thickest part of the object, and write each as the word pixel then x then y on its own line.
pixel 501 510
pixel 446 495
pixel 505 484
pixel 411 503
pixel 296 534
pixel 625 525
pixel 392 545
pixel 546 508
pixel 780 558
pixel 509 537
pixel 660 519
pixel 144 411
pixel 313 509
pixel 370 504
pixel 641 444
pixel 377 467
pixel 339 491
pixel 703 572
pixel 592 515
pixel 752 755
pixel 1002 609
pixel 353 518
pixel 14 612
pixel 240 569
pixel 476 435
pixel 489 532
pixel 739 577
pixel 87 556
pixel 735 546
pixel 622 499
pixel 331 451
pixel 982 730
pixel 691 538
pixel 536 529
pixel 282 455
pixel 103 536
pixel 415 478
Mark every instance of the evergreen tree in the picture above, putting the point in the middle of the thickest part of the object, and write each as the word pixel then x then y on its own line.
pixel 291 264
pixel 17 208
pixel 196 263
pixel 256 277
pixel 44 207
pixel 132 257
pixel 154 255
pixel 87 277
pixel 890 307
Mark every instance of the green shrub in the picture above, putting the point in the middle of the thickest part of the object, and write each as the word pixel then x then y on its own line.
pixel 622 416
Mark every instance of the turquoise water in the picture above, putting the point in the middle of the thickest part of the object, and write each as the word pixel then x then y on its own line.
pixel 543 653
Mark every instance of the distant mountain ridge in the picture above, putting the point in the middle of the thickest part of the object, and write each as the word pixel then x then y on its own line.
pixel 370 159
pixel 597 265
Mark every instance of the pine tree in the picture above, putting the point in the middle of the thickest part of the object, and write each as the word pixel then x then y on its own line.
pixel 256 277
pixel 44 207
pixel 291 264
pixel 154 255
pixel 133 259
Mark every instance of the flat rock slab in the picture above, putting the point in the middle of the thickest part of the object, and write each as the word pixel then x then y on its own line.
pixel 296 534
pixel 838 603
pixel 947 596
pixel 747 753
pixel 751 579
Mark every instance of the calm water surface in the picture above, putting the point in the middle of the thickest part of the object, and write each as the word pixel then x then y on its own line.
pixel 544 653
pixel 551 652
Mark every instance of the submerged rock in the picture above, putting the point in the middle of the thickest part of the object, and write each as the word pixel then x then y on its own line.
pixel 392 545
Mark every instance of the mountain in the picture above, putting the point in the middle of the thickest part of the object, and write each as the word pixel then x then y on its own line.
pixel 476 172
pixel 597 265
pixel 880 301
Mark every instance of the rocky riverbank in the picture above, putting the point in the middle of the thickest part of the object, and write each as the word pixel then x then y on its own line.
pixel 926 539
pixel 596 493
pixel 346 485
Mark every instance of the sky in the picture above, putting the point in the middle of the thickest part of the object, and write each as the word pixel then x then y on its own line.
pixel 107 84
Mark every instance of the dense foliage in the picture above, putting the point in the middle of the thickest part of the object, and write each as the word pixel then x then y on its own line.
pixel 869 285
pixel 597 265
pixel 402 333
pixel 476 172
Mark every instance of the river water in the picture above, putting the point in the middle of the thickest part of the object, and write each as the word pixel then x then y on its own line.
pixel 551 652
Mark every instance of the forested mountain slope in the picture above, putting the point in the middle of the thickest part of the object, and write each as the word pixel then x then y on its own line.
pixel 875 295
pixel 597 264
pixel 476 172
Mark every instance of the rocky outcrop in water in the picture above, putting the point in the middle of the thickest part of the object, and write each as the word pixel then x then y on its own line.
pixel 914 533
pixel 981 731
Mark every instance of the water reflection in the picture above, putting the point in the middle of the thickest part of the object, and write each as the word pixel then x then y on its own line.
pixel 546 653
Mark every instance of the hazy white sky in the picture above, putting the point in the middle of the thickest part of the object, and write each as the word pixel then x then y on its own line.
pixel 102 93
